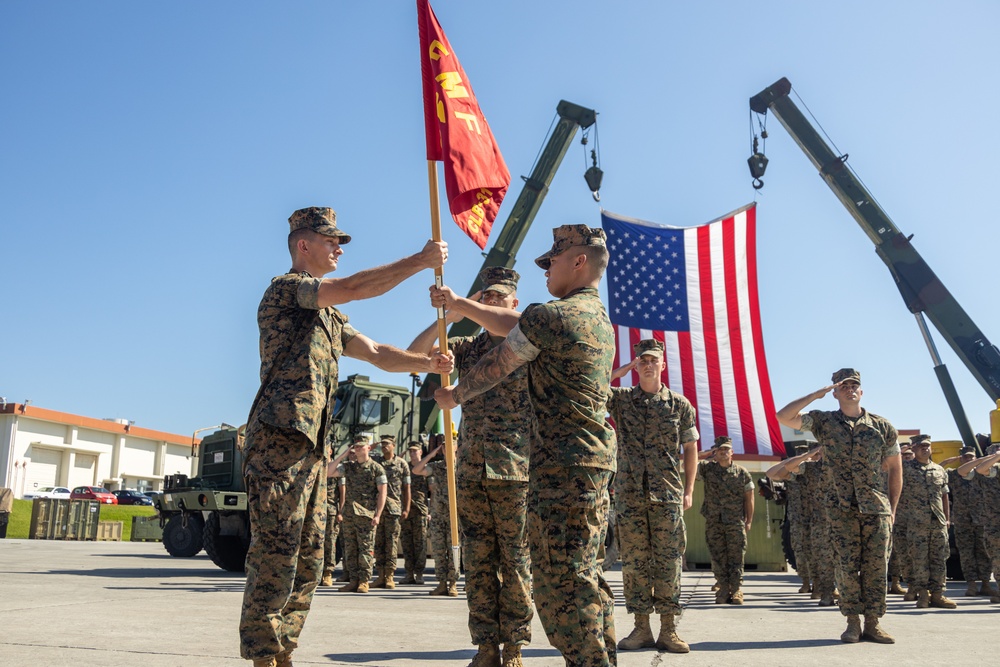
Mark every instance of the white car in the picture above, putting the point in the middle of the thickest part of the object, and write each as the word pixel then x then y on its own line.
pixel 48 492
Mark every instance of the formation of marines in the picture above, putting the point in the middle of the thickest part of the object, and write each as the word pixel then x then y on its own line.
pixel 535 461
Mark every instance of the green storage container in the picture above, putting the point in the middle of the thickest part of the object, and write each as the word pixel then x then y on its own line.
pixel 84 516
pixel 764 552
pixel 49 519
pixel 146 529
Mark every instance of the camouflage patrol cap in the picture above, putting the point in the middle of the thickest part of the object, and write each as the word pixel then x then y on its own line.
pixel 361 440
pixel 499 279
pixel 846 374
pixel 568 236
pixel 723 442
pixel 648 346
pixel 387 440
pixel 414 446
pixel 993 448
pixel 320 219
pixel 918 440
pixel 968 450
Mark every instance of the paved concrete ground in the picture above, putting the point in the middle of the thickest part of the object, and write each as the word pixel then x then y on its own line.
pixel 108 604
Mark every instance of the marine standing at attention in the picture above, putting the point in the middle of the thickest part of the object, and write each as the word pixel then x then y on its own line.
pixel 287 447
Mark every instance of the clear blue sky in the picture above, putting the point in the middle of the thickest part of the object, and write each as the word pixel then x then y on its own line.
pixel 152 152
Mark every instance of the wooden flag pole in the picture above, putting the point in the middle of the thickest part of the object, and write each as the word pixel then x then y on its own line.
pixel 449 438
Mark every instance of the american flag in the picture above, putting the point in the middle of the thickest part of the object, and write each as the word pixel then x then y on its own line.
pixel 695 288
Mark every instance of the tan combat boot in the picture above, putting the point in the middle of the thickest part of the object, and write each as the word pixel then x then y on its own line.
pixel 815 593
pixel 640 637
pixel 488 656
pixel 512 655
pixel 971 589
pixel 362 587
pixel 390 574
pixel 736 597
pixel 344 577
pixel 923 598
pixel 852 635
pixel 805 588
pixel 380 582
pixel 895 588
pixel 327 580
pixel 265 662
pixel 350 588
pixel 874 632
pixel 418 578
pixel 408 579
pixel 826 600
pixel 668 639
pixel 911 594
pixel 722 595
pixel 283 659
pixel 441 589
pixel 939 600
pixel 986 588
pixel 453 589
pixel 716 586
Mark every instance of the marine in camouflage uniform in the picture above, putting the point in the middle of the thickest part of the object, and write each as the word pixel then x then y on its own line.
pixel 413 529
pixel 656 431
pixel 987 474
pixel 728 511
pixel 924 502
pixel 568 346
pixel 439 530
pixel 397 505
pixel 332 528
pixel 491 478
pixel 798 511
pixel 857 447
pixel 286 451
pixel 364 503
pixel 966 519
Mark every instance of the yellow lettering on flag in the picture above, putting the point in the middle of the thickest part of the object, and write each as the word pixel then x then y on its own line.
pixel 452 84
pixel 440 108
pixel 476 218
pixel 436 50
pixel 471 121
pixel 484 195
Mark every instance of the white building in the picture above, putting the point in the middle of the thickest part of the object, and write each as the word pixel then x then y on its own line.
pixel 40 447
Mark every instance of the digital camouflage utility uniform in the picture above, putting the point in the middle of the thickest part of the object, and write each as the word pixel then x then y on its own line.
pixel 491 477
pixel 397 473
pixel 285 458
pixel 439 532
pixel 854 450
pixel 967 519
pixel 413 529
pixel 569 344
pixel 797 514
pixel 924 486
pixel 990 487
pixel 649 495
pixel 822 559
pixel 362 481
pixel 723 509
pixel 332 527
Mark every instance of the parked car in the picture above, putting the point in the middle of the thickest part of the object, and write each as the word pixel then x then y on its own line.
pixel 131 497
pixel 60 492
pixel 94 493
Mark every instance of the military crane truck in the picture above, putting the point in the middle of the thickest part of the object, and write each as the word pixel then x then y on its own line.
pixel 210 510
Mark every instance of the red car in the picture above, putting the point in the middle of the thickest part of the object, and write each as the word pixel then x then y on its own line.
pixel 93 493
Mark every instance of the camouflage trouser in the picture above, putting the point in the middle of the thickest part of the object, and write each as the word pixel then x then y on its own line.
pixel 727 543
pixel 651 540
pixel 413 536
pixel 928 547
pixel 493 517
pixel 900 559
pixel 975 559
pixel 991 535
pixel 567 524
pixel 359 547
pixel 385 541
pixel 861 543
pixel 798 534
pixel 823 561
pixel 439 533
pixel 330 543
pixel 286 501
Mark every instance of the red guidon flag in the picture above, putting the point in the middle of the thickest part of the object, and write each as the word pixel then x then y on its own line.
pixel 475 175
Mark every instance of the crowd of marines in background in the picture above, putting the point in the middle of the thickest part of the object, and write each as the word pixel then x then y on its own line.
pixel 538 461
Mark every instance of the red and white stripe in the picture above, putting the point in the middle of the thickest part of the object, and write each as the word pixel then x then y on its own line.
pixel 719 365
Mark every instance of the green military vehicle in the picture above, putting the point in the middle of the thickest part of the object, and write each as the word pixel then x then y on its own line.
pixel 210 511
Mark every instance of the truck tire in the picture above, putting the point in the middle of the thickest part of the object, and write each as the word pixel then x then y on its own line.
pixel 182 535
pixel 227 551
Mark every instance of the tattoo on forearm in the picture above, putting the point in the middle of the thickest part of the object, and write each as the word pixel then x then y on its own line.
pixel 495 365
